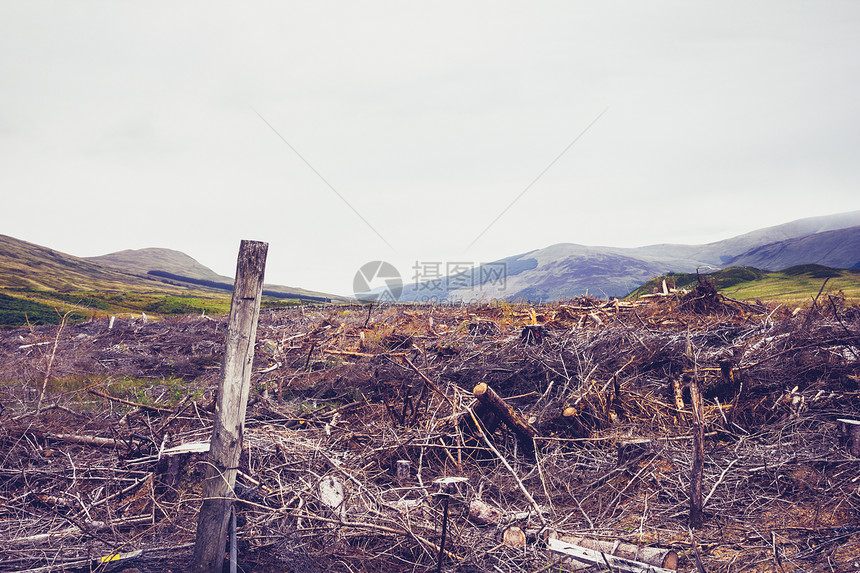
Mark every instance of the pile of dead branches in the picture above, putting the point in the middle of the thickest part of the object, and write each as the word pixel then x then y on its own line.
pixel 359 414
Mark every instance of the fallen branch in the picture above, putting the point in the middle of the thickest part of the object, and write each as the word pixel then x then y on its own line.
pixel 86 440
pixel 430 383
pixel 349 353
pixel 93 526
pixel 51 362
pixel 718 482
pixel 24 346
pixel 129 402
pixel 507 465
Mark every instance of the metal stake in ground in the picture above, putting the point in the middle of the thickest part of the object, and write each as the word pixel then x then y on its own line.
pixel 447 486
pixel 232 400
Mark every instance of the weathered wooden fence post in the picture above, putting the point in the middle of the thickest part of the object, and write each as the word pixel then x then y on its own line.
pixel 696 507
pixel 697 514
pixel 232 399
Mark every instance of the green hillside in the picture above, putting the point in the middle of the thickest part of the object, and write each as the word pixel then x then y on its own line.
pixel 796 284
pixel 16 311
pixel 39 285
pixel 25 265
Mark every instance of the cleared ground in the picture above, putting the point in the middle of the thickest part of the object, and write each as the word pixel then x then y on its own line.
pixel 340 394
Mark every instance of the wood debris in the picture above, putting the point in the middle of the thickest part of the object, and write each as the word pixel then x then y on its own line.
pixel 355 412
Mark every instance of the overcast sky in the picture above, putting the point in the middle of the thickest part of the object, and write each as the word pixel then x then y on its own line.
pixel 152 124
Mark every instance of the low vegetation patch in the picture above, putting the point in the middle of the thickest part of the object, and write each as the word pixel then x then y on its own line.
pixel 86 299
pixel 795 285
pixel 813 271
pixel 41 306
pixel 174 305
pixel 15 311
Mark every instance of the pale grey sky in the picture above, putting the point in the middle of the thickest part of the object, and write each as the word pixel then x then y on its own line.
pixel 129 125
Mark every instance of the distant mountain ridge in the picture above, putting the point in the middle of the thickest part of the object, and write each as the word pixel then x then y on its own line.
pixel 25 265
pixel 167 260
pixel 567 270
pixel 177 266
pixel 559 271
pixel 839 249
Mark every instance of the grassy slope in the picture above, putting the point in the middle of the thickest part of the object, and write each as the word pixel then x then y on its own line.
pixel 789 286
pixel 24 265
pixel 41 285
pixel 796 284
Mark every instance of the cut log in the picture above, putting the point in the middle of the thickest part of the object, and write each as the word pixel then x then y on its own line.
pixel 489 398
pixel 331 492
pixel 91 526
pixel 582 558
pixel 86 440
pixel 620 555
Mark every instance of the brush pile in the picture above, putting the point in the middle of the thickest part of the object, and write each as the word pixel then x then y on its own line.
pixel 358 414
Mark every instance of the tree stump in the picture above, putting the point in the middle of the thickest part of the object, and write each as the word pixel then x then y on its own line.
pixel 849 436
pixel 533 334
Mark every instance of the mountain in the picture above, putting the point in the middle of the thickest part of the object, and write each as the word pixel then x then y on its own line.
pixel 567 270
pixel 558 271
pixel 720 252
pixel 177 266
pixel 167 260
pixel 30 266
pixel 26 265
pixel 839 249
